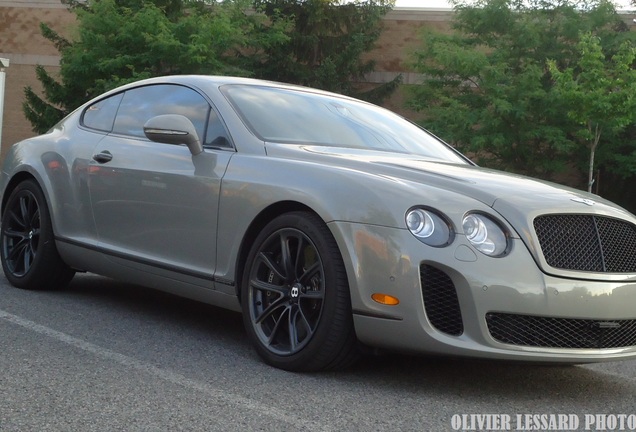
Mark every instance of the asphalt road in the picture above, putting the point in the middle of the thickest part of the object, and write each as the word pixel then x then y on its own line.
pixel 103 356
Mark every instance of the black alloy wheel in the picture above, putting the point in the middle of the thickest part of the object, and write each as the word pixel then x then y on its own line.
pixel 29 257
pixel 296 303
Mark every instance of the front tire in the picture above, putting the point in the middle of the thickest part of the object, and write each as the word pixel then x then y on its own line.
pixel 295 296
pixel 27 246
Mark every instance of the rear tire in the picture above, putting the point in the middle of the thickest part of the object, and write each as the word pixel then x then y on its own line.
pixel 27 245
pixel 295 296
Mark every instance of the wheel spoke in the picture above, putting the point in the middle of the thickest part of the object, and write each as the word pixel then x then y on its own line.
pixel 286 257
pixel 14 217
pixel 269 310
pixel 27 258
pixel 315 268
pixel 292 330
pixel 264 286
pixel 312 295
pixel 300 258
pixel 277 327
pixel 15 253
pixel 8 232
pixel 25 204
pixel 19 260
pixel 35 220
pixel 272 265
pixel 310 329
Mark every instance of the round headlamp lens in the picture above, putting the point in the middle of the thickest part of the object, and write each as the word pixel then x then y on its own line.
pixel 475 229
pixel 420 223
pixel 429 227
pixel 485 234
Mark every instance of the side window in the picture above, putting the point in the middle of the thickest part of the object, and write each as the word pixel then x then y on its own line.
pixel 216 135
pixel 142 103
pixel 101 114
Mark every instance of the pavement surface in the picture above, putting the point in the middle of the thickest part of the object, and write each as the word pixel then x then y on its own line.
pixel 105 356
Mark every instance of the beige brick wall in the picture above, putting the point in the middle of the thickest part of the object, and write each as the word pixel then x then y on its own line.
pixel 20 28
pixel 22 43
pixel 15 126
pixel 401 35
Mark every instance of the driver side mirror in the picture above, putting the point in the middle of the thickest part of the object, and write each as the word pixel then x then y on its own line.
pixel 173 129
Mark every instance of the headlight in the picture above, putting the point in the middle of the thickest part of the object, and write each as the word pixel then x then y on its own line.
pixel 429 227
pixel 485 234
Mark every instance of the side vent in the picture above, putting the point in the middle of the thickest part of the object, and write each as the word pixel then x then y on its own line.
pixel 440 301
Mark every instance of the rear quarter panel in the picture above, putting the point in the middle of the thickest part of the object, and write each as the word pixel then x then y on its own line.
pixel 59 162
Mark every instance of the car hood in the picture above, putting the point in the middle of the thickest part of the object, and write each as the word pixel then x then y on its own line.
pixel 517 198
pixel 514 196
pixel 491 187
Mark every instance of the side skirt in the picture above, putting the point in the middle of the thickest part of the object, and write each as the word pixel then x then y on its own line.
pixel 192 285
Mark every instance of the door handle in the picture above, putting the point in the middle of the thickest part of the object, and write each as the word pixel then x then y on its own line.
pixel 103 157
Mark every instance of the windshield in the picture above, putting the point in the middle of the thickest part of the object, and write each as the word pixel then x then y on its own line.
pixel 300 117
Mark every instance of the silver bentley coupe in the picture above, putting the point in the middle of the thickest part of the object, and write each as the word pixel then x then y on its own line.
pixel 330 223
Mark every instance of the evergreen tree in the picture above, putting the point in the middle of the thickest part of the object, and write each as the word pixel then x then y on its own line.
pixel 327 40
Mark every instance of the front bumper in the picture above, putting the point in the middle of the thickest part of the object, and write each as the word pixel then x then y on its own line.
pixel 390 261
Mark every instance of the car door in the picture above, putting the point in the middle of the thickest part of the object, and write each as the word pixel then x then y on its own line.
pixel 155 205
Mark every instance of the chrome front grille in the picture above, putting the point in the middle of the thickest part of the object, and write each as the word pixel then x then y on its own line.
pixel 587 243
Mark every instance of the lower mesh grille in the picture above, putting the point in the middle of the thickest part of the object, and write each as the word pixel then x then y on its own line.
pixel 440 301
pixel 550 332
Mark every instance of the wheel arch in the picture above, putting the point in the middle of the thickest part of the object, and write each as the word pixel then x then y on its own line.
pixel 13 183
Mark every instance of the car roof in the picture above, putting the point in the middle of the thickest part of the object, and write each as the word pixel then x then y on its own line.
pixel 207 82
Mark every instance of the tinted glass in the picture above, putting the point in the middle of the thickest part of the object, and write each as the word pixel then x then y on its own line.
pixel 216 134
pixel 101 115
pixel 141 104
pixel 299 117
